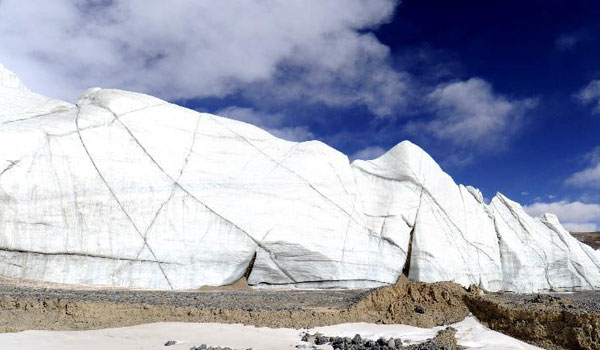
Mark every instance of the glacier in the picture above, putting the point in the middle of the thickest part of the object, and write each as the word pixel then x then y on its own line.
pixel 124 189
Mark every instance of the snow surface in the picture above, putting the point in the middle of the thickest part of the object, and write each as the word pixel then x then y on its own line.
pixel 124 189
pixel 470 334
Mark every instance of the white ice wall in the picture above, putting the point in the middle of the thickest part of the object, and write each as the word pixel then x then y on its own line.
pixel 127 190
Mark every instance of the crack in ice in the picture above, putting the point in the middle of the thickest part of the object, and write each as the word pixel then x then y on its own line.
pixel 117 199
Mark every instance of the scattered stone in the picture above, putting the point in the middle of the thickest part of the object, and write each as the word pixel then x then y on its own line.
pixel 170 342
pixel 419 309
pixel 429 344
pixel 320 340
pixel 205 347
pixel 547 299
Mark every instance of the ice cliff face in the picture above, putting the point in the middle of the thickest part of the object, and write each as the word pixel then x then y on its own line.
pixel 124 189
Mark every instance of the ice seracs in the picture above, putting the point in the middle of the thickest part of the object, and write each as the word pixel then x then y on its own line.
pixel 539 254
pixel 9 80
pixel 125 189
pixel 453 237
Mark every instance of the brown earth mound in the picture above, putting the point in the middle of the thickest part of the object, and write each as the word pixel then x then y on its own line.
pixel 416 303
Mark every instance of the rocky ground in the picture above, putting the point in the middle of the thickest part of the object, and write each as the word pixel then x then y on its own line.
pixel 34 306
pixel 242 298
pixel 565 321
pixel 558 321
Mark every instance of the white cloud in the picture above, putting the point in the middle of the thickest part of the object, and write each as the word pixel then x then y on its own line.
pixel 590 95
pixel 271 122
pixel 470 115
pixel 187 49
pixel 566 211
pixel 585 227
pixel 368 153
pixel 573 215
pixel 589 177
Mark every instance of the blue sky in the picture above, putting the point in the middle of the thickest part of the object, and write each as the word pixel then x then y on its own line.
pixel 504 94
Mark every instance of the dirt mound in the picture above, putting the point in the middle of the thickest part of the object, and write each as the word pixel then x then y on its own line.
pixel 416 303
pixel 547 321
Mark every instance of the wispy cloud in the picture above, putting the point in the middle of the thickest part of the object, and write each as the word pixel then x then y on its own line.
pixel 368 153
pixel 590 176
pixel 470 116
pixel 567 42
pixel 308 50
pixel 578 38
pixel 590 95
pixel 274 123
pixel 575 216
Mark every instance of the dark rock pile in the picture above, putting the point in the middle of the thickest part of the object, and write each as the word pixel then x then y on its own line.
pixel 357 342
pixel 445 340
pixel 206 347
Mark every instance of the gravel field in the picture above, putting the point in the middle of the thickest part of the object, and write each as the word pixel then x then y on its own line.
pixel 275 300
pixel 586 302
